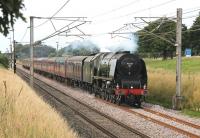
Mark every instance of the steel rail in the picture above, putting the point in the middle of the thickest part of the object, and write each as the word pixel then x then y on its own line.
pixel 91 108
pixel 127 109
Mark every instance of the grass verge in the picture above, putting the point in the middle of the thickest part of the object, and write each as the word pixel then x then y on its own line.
pixel 1 66
pixel 24 114
pixel 191 113
pixel 162 88
pixel 189 65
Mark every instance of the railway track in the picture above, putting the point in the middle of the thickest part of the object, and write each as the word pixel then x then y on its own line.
pixel 109 126
pixel 172 118
pixel 149 118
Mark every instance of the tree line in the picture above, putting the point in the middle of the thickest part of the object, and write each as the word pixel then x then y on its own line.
pixel 152 46
pixel 77 48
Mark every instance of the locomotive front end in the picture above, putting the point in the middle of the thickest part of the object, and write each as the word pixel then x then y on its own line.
pixel 131 78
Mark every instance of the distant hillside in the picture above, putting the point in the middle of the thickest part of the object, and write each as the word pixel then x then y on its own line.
pixel 79 48
pixel 76 48
pixel 23 51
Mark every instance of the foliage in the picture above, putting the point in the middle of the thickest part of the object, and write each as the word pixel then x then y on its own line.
pixel 166 29
pixel 4 60
pixel 194 33
pixel 10 11
pixel 163 28
pixel 23 51
pixel 53 54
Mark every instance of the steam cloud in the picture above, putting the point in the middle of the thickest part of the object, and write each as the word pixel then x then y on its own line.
pixel 84 44
pixel 106 44
pixel 126 44
pixel 118 43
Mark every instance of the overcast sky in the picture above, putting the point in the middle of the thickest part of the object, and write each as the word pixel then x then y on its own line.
pixel 106 16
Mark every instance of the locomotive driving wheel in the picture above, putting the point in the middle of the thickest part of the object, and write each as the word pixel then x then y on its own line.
pixel 137 101
pixel 104 94
pixel 107 97
pixel 119 99
pixel 113 98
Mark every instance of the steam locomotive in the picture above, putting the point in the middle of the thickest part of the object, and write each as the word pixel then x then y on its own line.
pixel 119 77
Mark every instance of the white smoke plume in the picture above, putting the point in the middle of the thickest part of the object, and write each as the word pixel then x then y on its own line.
pixel 125 43
pixel 106 44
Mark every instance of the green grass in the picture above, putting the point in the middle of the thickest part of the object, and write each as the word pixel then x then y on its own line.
pixel 1 66
pixel 162 83
pixel 189 65
pixel 191 113
pixel 163 102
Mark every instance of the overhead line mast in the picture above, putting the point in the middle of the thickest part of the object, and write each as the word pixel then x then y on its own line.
pixel 178 60
pixel 69 27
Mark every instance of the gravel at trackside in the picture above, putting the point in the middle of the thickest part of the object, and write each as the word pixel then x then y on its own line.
pixel 147 127
pixel 174 113
pixel 170 122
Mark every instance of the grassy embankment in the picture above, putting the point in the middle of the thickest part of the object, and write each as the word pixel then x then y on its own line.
pixel 162 83
pixel 1 66
pixel 23 114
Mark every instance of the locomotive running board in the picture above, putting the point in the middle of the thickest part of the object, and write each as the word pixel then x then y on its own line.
pixel 102 78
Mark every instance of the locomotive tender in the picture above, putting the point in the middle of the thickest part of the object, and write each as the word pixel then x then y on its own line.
pixel 118 77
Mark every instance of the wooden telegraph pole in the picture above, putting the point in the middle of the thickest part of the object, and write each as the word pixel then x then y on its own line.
pixel 178 97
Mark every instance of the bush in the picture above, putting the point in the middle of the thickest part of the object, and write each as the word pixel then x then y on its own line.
pixel 4 61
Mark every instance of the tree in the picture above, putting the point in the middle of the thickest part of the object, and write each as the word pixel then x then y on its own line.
pixel 52 54
pixel 149 43
pixel 10 11
pixel 4 60
pixel 23 51
pixel 164 28
pixel 194 33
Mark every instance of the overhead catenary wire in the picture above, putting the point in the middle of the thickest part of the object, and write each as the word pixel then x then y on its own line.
pixel 188 17
pixel 138 11
pixel 115 9
pixel 57 32
pixel 24 34
pixel 190 11
pixel 144 33
pixel 146 40
pixel 49 36
pixel 53 14
pixel 193 10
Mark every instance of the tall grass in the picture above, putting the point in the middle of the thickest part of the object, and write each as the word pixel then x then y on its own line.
pixel 162 88
pixel 23 114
